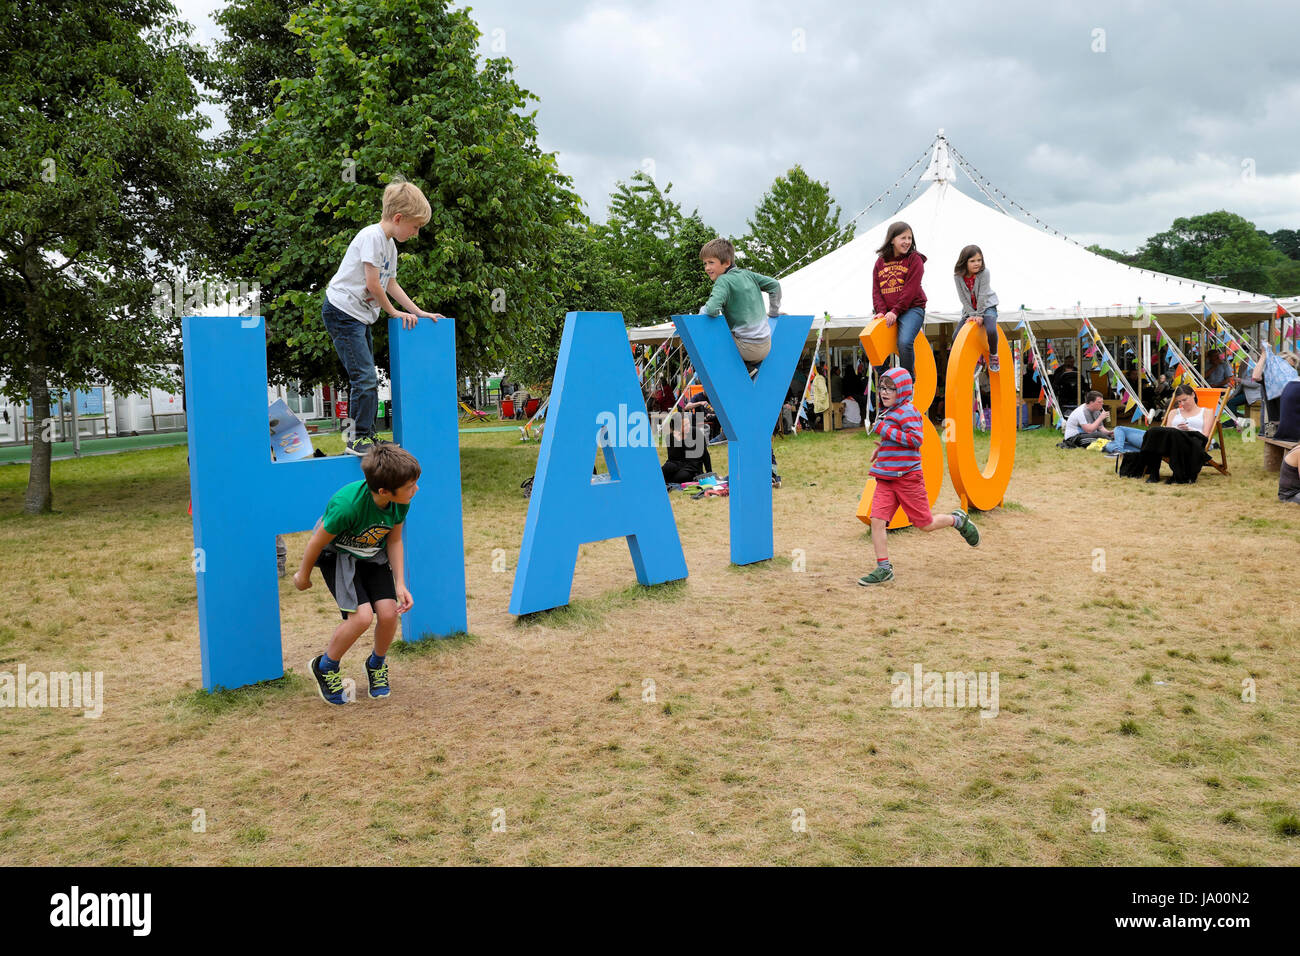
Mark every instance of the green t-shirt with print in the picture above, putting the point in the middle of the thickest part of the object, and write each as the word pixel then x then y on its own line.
pixel 361 527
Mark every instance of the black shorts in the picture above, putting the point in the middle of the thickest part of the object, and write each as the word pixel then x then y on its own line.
pixel 373 582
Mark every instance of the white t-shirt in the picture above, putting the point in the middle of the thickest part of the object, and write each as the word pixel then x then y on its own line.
pixel 1195 423
pixel 347 290
pixel 852 413
pixel 1078 418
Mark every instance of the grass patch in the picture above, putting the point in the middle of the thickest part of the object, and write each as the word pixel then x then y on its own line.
pixel 433 646
pixel 1287 826
pixel 254 697
pixel 773 689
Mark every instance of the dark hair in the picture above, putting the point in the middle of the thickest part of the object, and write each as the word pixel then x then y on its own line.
pixel 964 257
pixel 1092 397
pixel 1184 389
pixel 388 467
pixel 895 230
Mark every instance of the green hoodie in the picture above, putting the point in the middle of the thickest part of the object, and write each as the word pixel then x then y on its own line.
pixel 737 296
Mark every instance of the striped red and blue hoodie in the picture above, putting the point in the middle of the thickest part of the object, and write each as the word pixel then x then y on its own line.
pixel 900 432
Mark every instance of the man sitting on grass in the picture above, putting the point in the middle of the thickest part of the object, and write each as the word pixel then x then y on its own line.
pixel 1086 423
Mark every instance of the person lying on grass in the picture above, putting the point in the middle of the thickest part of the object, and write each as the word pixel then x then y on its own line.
pixel 357 545
pixel 896 466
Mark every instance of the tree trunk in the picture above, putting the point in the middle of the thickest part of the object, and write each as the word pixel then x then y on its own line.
pixel 40 497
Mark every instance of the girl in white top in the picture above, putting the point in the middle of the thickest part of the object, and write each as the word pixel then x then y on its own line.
pixel 1180 418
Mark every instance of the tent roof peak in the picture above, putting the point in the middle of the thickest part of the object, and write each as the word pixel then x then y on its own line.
pixel 940 169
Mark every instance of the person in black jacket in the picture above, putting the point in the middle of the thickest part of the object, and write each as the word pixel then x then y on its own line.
pixel 688 453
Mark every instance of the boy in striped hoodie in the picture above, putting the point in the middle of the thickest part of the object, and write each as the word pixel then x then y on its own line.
pixel 896 466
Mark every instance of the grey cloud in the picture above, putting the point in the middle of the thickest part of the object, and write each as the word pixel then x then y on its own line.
pixel 1105 146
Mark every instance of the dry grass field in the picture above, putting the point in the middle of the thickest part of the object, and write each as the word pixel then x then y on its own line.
pixel 1120 689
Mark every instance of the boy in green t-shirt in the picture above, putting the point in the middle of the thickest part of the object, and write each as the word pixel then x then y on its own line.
pixel 358 547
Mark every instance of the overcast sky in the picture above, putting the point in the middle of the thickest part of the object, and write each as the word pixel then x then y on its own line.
pixel 1106 120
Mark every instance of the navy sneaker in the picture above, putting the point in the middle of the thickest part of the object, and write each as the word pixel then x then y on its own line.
pixel 359 446
pixel 378 678
pixel 328 683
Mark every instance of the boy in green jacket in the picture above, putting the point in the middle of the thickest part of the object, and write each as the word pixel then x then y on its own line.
pixel 737 295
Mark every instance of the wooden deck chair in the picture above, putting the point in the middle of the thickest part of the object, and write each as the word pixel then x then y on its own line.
pixel 1213 401
pixel 471 414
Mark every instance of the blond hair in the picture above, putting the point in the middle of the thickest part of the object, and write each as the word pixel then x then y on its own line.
pixel 401 197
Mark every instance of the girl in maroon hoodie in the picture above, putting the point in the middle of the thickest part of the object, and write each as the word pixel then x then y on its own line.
pixel 896 290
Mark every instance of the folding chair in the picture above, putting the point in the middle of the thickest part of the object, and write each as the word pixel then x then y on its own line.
pixel 468 414
pixel 1213 401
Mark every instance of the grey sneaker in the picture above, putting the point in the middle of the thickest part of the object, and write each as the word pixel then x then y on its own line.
pixel 359 446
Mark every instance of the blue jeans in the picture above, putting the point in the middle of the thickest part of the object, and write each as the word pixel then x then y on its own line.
pixel 909 326
pixel 991 328
pixel 1126 439
pixel 355 346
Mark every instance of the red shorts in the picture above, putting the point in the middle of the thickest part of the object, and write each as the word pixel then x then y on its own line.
pixel 909 492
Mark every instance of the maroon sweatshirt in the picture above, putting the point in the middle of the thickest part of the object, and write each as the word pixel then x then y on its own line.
pixel 896 284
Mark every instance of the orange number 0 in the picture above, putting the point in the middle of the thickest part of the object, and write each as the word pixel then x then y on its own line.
pixel 981 488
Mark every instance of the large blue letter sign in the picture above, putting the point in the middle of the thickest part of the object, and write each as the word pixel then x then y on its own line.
pixel 747 410
pixel 242 499
pixel 595 399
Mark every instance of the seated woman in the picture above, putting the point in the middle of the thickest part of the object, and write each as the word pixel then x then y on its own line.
pixel 1288 479
pixel 1182 441
pixel 688 454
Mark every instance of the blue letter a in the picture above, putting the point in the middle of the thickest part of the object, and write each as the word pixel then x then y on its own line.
pixel 595 385
pixel 747 410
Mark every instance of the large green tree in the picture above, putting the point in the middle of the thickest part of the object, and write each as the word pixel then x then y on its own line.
pixel 1218 247
pixel 396 88
pixel 1287 242
pixel 650 251
pixel 258 52
pixel 796 221
pixel 103 182
pixel 584 283
pixel 245 70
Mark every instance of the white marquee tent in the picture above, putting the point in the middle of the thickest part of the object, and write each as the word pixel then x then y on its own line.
pixel 1055 278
